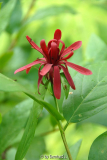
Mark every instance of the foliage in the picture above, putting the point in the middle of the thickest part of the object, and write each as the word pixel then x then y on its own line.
pixel 28 121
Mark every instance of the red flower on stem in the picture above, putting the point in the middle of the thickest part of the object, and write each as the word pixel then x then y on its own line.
pixel 54 60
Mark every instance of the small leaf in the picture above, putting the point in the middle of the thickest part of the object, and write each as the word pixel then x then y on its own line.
pixel 65 85
pixel 98 150
pixel 8 85
pixel 30 128
pixel 5 13
pixel 74 149
pixel 90 96
pixel 51 11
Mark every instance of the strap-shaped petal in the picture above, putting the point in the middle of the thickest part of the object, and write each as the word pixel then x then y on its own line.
pixel 57 82
pixel 44 48
pixel 57 34
pixel 40 77
pixel 33 44
pixel 78 68
pixel 28 66
pixel 72 47
pixel 54 52
pixel 46 69
pixel 68 77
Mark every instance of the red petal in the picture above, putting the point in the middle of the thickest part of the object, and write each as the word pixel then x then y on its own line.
pixel 54 52
pixel 79 69
pixel 27 70
pixel 72 47
pixel 63 46
pixel 68 77
pixel 57 34
pixel 28 66
pixel 34 45
pixel 45 69
pixel 40 77
pixel 57 83
pixel 49 43
pixel 43 46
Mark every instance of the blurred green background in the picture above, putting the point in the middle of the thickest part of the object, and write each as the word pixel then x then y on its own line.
pixel 84 20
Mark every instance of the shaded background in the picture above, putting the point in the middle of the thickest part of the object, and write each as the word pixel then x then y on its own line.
pixel 84 20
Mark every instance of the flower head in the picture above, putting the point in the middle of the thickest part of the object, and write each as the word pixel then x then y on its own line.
pixel 55 59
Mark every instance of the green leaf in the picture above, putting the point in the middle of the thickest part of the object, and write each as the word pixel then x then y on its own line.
pixel 74 149
pixel 5 58
pixel 51 11
pixel 90 96
pixel 29 132
pixel 8 85
pixel 0 4
pixel 36 149
pixel 65 85
pixel 30 128
pixel 98 150
pixel 0 118
pixel 13 122
pixel 97 119
pixel 5 14
pixel 15 19
pixel 96 49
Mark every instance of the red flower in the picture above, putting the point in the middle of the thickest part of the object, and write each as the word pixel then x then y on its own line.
pixel 54 60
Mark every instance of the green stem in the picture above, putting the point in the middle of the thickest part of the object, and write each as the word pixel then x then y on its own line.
pixel 64 140
pixel 63 133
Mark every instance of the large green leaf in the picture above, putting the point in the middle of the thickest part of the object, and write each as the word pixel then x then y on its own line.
pixel 90 96
pixel 74 149
pixel 51 11
pixel 96 49
pixel 5 13
pixel 98 149
pixel 13 122
pixel 7 84
pixel 30 127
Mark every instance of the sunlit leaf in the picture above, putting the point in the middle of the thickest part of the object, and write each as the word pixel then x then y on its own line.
pixel 98 150
pixel 90 96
